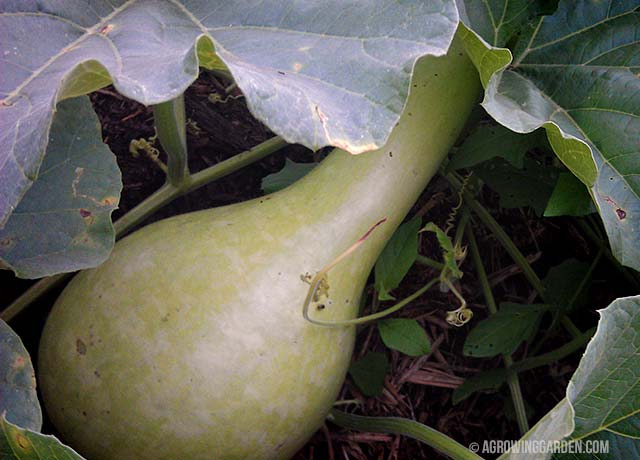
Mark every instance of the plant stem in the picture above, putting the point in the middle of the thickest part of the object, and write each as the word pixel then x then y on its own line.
pixel 462 225
pixel 406 427
pixel 544 359
pixel 155 201
pixel 169 119
pixel 236 162
pixel 512 377
pixel 32 294
pixel 572 301
pixel 598 241
pixel 373 316
pixel 501 235
pixel 555 355
pixel 169 192
pixel 510 247
pixel 429 262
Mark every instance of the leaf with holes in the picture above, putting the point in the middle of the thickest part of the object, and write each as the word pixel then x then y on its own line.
pixel 503 332
pixel 281 54
pixel 63 223
pixel 574 72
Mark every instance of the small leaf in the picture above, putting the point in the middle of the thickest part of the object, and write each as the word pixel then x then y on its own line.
pixel 19 444
pixel 291 172
pixel 397 258
pixel 503 332
pixel 369 373
pixel 570 197
pixel 563 281
pixel 530 186
pixel 404 335
pixel 448 251
pixel 486 380
pixel 489 141
pixel 18 398
pixel 63 223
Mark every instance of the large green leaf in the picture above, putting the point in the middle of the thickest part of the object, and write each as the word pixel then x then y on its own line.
pixel 316 72
pixel 575 72
pixel 554 426
pixel 63 223
pixel 603 396
pixel 605 389
pixel 18 398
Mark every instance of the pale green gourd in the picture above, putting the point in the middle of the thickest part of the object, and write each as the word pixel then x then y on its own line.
pixel 189 343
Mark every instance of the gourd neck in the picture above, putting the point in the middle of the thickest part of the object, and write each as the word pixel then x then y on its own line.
pixel 362 189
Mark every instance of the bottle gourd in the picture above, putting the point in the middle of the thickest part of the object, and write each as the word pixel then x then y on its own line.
pixel 189 342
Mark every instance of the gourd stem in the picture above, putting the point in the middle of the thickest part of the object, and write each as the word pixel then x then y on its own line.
pixel 509 246
pixel 406 427
pixel 170 122
pixel 512 377
pixel 155 201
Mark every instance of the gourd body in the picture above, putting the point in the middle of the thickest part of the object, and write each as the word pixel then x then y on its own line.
pixel 189 343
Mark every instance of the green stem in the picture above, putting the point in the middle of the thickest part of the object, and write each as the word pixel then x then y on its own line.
pixel 151 204
pixel 557 354
pixel 600 243
pixel 571 303
pixel 32 294
pixel 429 262
pixel 512 377
pixel 236 162
pixel 373 316
pixel 537 361
pixel 509 246
pixel 169 118
pixel 462 225
pixel 501 235
pixel 406 427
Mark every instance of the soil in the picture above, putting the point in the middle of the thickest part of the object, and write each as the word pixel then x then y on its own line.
pixel 417 388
